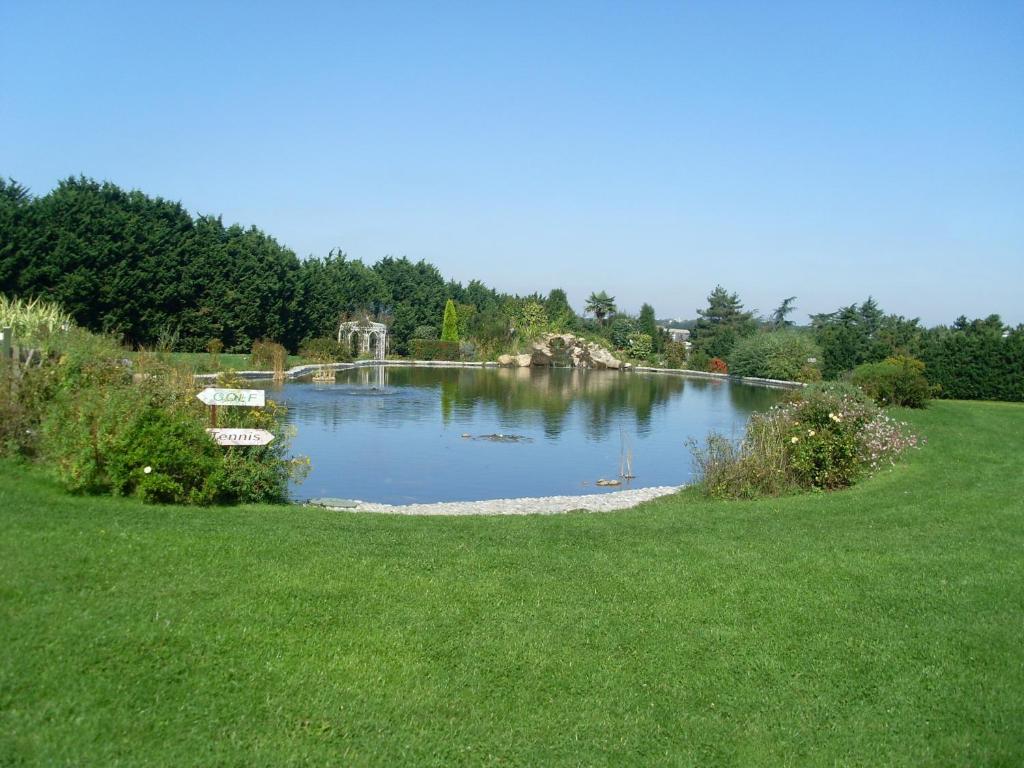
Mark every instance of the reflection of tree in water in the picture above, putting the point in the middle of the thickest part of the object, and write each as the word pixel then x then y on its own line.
pixel 391 396
pixel 550 393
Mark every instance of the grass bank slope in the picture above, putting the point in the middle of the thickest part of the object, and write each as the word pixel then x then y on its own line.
pixel 878 626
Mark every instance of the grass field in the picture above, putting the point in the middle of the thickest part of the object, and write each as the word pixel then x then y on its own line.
pixel 878 626
pixel 202 362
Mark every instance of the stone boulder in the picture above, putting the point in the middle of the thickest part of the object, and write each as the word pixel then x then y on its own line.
pixel 580 352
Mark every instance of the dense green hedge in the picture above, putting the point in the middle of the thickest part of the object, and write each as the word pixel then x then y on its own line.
pixel 433 349
pixel 976 361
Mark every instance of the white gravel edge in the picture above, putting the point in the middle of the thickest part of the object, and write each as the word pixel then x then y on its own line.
pixel 544 505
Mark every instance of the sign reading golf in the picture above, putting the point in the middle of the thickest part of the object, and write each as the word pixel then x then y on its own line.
pixel 253 398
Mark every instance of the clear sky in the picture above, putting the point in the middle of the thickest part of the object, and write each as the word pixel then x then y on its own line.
pixel 824 150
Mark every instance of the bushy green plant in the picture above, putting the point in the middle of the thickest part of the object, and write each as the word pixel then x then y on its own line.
pixel 99 420
pixel 675 354
pixel 325 349
pixel 640 345
pixel 897 380
pixel 268 354
pixel 788 355
pixel 532 320
pixel 621 329
pixel 427 349
pixel 163 456
pixel 697 360
pixel 825 438
pixel 33 321
pixel 428 332
pixel 756 466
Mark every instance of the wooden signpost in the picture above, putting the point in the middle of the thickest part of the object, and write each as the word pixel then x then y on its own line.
pixel 251 398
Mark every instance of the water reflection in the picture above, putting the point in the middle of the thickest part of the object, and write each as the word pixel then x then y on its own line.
pixel 395 433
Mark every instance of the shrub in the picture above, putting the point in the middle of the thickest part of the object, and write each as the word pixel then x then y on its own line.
pixel 775 355
pixel 717 365
pixel 268 354
pixel 698 360
pixel 675 354
pixel 33 322
pixel 215 346
pixel 427 349
pixel 428 332
pixel 756 466
pixel 896 381
pixel 825 439
pixel 640 345
pixel 163 457
pixel 99 422
pixel 621 329
pixel 325 349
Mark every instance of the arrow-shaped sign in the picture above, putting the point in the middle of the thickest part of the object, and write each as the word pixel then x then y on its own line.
pixel 236 436
pixel 218 396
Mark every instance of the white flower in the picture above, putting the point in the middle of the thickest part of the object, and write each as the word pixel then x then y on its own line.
pixel 147 470
pixel 810 433
pixel 795 440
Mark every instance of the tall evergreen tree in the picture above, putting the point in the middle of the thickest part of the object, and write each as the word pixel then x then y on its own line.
pixel 450 326
pixel 648 323
pixel 780 316
pixel 722 323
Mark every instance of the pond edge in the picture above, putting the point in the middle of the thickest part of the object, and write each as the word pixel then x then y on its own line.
pixel 305 370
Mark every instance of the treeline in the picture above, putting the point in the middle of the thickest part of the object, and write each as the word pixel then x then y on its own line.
pixel 970 359
pixel 145 269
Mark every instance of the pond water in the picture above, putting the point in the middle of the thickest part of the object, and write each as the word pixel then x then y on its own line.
pixel 412 435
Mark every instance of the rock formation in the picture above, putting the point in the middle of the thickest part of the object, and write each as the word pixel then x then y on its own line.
pixel 578 352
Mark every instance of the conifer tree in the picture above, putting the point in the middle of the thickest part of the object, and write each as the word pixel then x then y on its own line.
pixel 450 327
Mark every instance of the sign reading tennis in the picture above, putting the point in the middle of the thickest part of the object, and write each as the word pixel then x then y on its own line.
pixel 254 398
pixel 235 436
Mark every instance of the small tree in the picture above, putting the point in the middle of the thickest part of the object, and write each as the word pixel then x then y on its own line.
pixel 450 327
pixel 649 325
pixel 601 306
pixel 780 317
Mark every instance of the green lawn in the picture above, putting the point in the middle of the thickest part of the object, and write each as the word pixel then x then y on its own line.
pixel 878 626
pixel 202 362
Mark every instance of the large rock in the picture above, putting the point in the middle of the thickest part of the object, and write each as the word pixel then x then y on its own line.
pixel 506 360
pixel 524 361
pixel 580 352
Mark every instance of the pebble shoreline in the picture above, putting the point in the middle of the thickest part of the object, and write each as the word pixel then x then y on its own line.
pixel 544 505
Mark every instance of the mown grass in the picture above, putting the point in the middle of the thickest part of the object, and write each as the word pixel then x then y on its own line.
pixel 877 626
pixel 203 362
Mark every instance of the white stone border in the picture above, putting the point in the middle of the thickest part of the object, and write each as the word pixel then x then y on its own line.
pixel 540 505
pixel 304 370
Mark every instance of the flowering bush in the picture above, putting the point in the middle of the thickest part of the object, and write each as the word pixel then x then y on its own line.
pixel 826 438
pixel 717 365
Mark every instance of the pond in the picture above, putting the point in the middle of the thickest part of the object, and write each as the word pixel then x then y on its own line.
pixel 402 435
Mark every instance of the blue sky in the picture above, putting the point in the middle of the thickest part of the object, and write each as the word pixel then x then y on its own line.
pixel 824 150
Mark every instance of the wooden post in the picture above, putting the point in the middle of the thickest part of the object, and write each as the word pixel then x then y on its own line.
pixel 6 340
pixel 213 415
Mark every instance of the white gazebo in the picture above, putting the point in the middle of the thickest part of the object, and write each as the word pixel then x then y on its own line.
pixel 372 336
